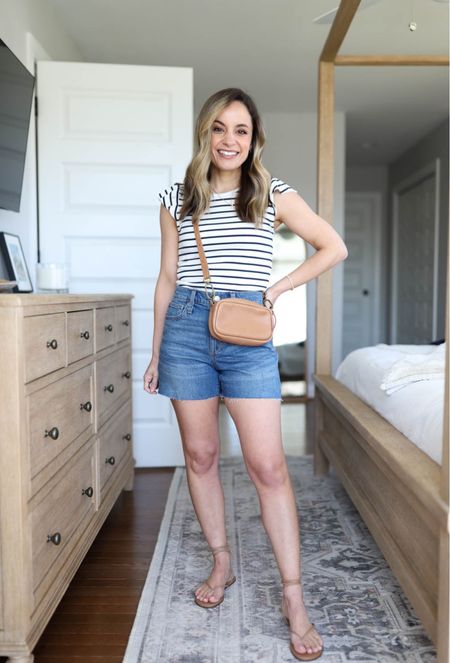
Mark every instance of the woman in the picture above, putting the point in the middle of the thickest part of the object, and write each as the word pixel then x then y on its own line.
pixel 230 194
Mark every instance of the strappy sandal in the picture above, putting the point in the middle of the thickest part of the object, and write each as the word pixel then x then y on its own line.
pixel 305 656
pixel 230 581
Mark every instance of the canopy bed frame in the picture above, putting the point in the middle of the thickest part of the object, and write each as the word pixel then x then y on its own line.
pixel 402 495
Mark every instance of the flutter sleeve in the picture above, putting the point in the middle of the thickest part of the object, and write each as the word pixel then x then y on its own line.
pixel 171 198
pixel 278 185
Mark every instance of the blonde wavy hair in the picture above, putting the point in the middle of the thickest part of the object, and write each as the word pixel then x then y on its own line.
pixel 253 195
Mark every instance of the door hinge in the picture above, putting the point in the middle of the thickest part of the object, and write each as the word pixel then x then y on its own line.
pixel 35 107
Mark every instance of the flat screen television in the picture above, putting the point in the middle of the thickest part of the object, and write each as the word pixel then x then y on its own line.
pixel 16 98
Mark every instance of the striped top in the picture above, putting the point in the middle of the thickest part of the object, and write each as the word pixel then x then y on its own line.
pixel 238 253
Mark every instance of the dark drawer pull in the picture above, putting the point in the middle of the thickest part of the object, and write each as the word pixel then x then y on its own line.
pixel 126 322
pixel 88 491
pixel 111 460
pixel 109 388
pixel 53 433
pixel 53 344
pixel 126 437
pixel 85 335
pixel 126 375
pixel 55 538
pixel 109 328
pixel 86 406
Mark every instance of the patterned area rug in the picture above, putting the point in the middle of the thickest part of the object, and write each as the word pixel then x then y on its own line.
pixel 350 592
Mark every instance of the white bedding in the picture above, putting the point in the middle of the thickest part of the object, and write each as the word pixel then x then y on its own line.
pixel 416 408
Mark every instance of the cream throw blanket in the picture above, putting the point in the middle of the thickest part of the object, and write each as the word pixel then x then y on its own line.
pixel 413 367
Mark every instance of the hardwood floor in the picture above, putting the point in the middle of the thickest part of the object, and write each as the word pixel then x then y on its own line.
pixel 94 619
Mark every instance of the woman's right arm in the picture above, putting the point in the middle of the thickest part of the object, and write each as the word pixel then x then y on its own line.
pixel 164 289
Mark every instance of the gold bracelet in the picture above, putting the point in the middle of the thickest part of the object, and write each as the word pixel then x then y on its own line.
pixel 266 299
pixel 290 281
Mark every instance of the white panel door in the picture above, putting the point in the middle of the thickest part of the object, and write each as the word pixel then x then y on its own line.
pixel 361 271
pixel 110 138
pixel 415 263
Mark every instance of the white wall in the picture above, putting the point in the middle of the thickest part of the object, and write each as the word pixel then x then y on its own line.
pixel 32 31
pixel 291 155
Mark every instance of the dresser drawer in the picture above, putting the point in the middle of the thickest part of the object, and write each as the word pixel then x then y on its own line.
pixel 80 335
pixel 123 322
pixel 45 344
pixel 55 519
pixel 58 414
pixel 113 445
pixel 105 327
pixel 113 377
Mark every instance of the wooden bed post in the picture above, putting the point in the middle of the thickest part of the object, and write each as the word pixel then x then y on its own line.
pixel 325 169
pixel 325 194
pixel 325 210
pixel 325 131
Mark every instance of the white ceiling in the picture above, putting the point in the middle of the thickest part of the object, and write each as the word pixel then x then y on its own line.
pixel 271 48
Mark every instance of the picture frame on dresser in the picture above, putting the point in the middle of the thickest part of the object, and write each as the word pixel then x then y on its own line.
pixel 15 263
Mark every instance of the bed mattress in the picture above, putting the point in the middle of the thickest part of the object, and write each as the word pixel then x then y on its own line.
pixel 416 409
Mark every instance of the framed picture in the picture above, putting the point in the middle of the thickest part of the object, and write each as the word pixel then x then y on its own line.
pixel 15 264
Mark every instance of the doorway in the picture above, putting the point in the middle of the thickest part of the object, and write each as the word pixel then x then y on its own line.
pixel 290 332
pixel 362 271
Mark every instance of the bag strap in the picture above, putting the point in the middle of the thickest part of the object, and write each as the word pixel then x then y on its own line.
pixel 204 264
pixel 207 277
pixel 201 252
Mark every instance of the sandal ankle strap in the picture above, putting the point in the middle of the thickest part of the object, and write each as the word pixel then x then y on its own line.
pixel 296 581
pixel 218 549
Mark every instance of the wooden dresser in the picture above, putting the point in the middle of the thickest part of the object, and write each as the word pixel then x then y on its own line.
pixel 65 446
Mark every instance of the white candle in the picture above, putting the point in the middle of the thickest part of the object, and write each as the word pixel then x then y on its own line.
pixel 51 276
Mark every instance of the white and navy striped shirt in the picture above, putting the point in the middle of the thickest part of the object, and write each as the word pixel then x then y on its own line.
pixel 239 254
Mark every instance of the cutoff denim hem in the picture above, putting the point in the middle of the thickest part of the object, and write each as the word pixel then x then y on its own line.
pixel 230 398
pixel 195 366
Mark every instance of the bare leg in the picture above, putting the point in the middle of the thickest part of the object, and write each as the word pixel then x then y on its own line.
pixel 258 422
pixel 199 429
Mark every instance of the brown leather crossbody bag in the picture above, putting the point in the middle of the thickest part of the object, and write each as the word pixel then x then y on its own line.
pixel 235 320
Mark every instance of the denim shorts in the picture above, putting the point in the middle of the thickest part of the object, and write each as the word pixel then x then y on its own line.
pixel 193 365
